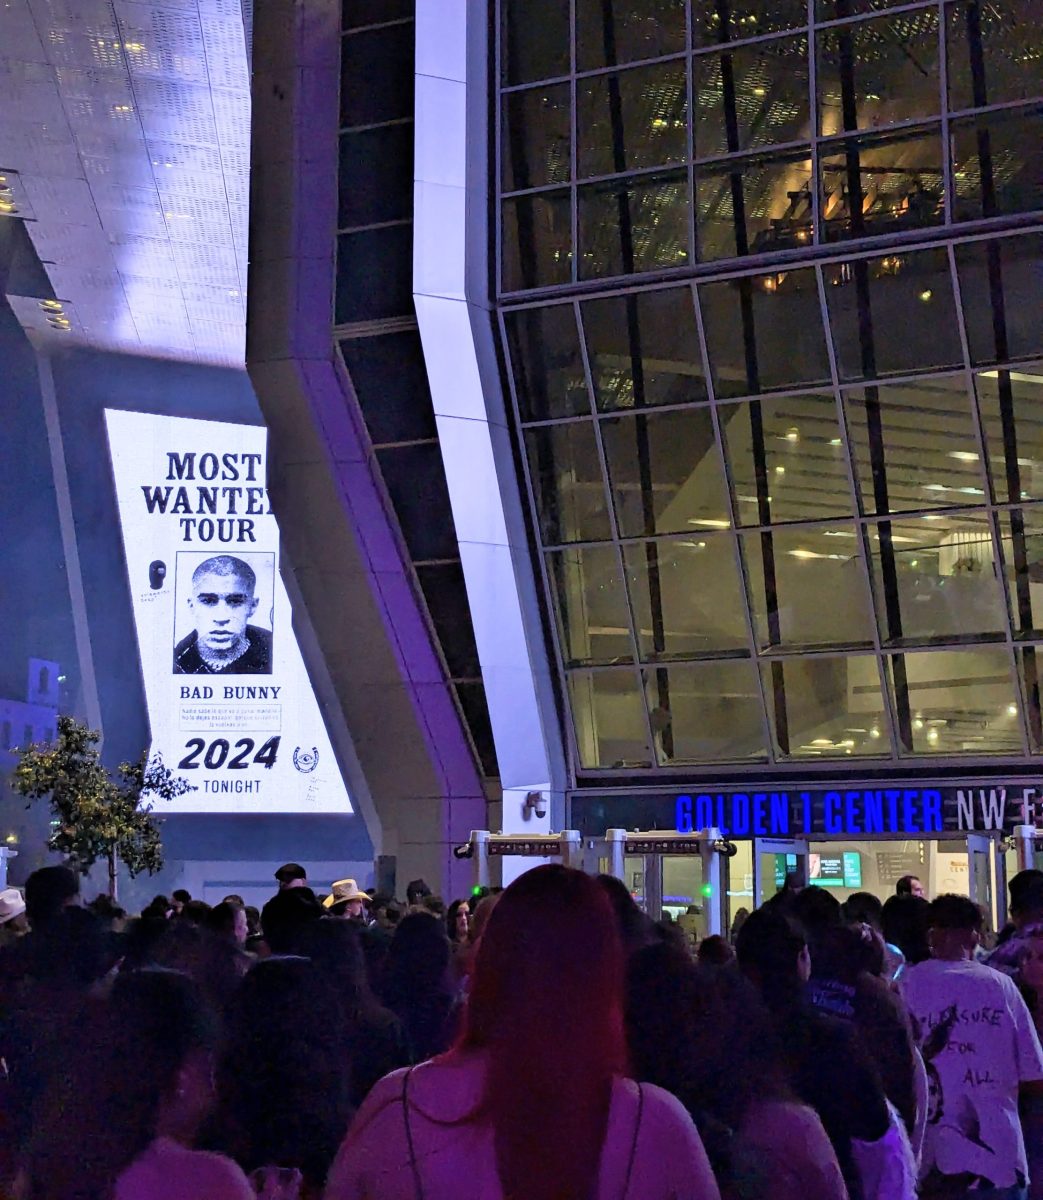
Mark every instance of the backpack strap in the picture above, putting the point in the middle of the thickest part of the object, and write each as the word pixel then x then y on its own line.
pixel 418 1186
pixel 633 1144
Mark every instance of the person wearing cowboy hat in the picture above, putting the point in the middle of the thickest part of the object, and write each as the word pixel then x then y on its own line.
pixel 13 921
pixel 346 899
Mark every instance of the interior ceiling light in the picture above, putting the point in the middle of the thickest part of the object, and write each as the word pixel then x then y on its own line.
pixel 967 456
pixel 51 305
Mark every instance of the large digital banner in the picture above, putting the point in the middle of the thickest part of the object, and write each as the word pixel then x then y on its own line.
pixel 230 704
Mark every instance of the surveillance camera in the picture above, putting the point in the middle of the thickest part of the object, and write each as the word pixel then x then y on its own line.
pixel 723 846
pixel 535 802
pixel 464 851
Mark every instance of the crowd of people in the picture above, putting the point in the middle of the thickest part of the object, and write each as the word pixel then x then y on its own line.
pixel 546 1042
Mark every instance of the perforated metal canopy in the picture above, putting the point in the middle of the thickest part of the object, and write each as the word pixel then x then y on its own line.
pixel 124 145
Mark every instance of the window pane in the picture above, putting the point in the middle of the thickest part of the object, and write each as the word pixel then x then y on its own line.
pixel 535 41
pixel 644 349
pixel 631 119
pixel 1021 543
pixel 610 32
pixel 764 333
pixel 593 623
pixel 609 719
pixel 548 365
pixel 942 576
pixel 476 713
pixel 536 137
pixel 375 176
pixel 769 95
pixel 745 19
pixel 879 72
pixel 376 75
pixel 415 480
pixel 566 477
pixel 752 206
pixel 898 182
pixel 373 12
pixel 665 473
pixel 1015 461
pixel 999 286
pixel 786 459
pixel 633 225
pixel 790 571
pixel 961 701
pixel 893 315
pixel 914 445
pixel 826 707
pixel 537 239
pixel 390 381
pixel 374 274
pixel 687 597
pixel 1011 66
pixel 998 163
pixel 706 712
pixel 446 595
pixel 1030 669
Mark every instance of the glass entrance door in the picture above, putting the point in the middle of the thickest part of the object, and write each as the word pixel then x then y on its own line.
pixel 986 877
pixel 773 860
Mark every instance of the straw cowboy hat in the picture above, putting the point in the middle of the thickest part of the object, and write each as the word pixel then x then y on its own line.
pixel 344 889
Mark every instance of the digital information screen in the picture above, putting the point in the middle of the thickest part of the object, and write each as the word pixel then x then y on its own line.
pixel 230 704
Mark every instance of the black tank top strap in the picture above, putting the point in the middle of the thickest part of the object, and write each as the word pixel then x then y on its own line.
pixel 414 1166
pixel 633 1144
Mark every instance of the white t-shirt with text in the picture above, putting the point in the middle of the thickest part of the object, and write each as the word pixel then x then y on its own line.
pixel 979 1043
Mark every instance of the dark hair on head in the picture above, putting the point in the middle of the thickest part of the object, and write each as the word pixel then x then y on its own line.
pixel 226 566
pixel 956 913
pixel 253 919
pixel 434 904
pixel 102 1111
pixel 450 917
pixel 1026 893
pixel 221 919
pixel 635 926
pixel 106 909
pixel 47 892
pixel 195 912
pixel 904 887
pixel 197 952
pixel 816 910
pixel 548 974
pixel 77 951
pixel 768 948
pixel 235 899
pixel 845 952
pixel 285 914
pixel 903 923
pixel 863 908
pixel 714 951
pixel 182 896
pixel 416 890
pixel 417 958
pixel 335 947
pixel 283 1079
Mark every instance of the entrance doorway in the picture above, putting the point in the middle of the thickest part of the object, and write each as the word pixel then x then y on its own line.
pixel 974 866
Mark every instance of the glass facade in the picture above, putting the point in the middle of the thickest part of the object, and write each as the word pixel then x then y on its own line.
pixel 788 484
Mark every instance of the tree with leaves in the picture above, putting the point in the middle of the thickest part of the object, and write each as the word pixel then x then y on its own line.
pixel 97 815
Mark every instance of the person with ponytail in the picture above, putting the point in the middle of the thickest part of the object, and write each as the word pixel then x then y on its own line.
pixel 533 1102
pixel 121 1123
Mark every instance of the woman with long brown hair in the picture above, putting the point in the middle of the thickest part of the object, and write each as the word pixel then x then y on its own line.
pixel 533 1102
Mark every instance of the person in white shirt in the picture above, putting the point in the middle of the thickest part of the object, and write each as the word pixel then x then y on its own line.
pixel 981 1050
pixel 532 1101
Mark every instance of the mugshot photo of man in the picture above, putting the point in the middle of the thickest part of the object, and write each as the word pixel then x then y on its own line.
pixel 222 601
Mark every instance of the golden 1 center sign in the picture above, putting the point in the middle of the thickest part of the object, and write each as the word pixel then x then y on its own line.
pixel 230 704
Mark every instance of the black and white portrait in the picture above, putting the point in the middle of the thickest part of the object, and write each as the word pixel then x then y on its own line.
pixel 223 622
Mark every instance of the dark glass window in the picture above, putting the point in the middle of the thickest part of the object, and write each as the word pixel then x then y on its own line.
pixel 827 707
pixel 753 205
pixel 1000 282
pixel 537 240
pixel 750 96
pixel 609 718
pixel 535 43
pixel 548 362
pixel 446 597
pixel 705 712
pixel 633 225
pixel 374 274
pixel 631 119
pixel 376 176
pixel 877 185
pixel 644 349
pixel 567 479
pixel 879 72
pixel 612 32
pixel 1011 408
pixel 356 13
pixel 537 137
pixel 893 315
pixel 665 473
pixel 415 480
pixel 471 696
pixel 998 163
pixel 993 52
pixel 764 333
pixel 713 22
pixel 390 381
pixel 376 75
